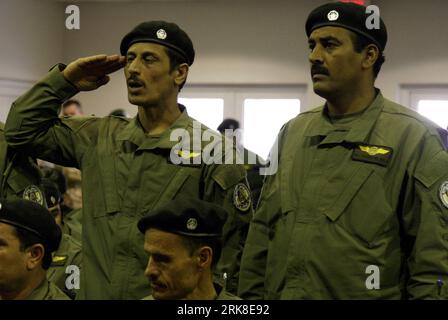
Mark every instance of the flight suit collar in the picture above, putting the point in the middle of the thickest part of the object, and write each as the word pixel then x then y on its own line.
pixel 134 133
pixel 359 131
pixel 41 292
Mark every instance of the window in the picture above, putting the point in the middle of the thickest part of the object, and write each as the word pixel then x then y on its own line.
pixel 209 111
pixel 434 110
pixel 260 110
pixel 430 101
pixel 263 119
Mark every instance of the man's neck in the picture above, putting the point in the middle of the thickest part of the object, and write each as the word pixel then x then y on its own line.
pixel 156 119
pixel 351 101
pixel 204 291
pixel 23 293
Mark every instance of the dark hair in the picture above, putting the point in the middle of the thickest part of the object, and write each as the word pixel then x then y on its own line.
pixel 228 124
pixel 194 243
pixel 56 176
pixel 175 60
pixel 118 113
pixel 27 239
pixel 72 101
pixel 359 43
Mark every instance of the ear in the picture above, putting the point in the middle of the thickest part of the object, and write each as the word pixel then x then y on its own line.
pixel 34 256
pixel 204 257
pixel 180 74
pixel 371 54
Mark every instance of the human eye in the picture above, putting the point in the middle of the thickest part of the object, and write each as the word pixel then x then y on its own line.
pixel 130 58
pixel 311 45
pixel 149 58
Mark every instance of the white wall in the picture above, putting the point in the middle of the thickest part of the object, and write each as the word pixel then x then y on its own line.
pixel 237 42
pixel 417 50
pixel 31 35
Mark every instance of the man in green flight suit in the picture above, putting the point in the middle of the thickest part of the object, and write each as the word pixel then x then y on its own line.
pixel 66 264
pixel 28 236
pixel 358 208
pixel 130 166
pixel 183 243
pixel 20 176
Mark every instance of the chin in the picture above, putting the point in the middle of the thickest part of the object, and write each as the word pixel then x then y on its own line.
pixel 321 90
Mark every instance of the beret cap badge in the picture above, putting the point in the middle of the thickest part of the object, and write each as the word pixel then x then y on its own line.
pixel 333 15
pixel 161 34
pixel 192 224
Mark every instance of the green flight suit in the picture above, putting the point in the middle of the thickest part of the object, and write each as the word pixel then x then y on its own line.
pixel 72 224
pixel 47 291
pixel 68 254
pixel 19 175
pixel 125 173
pixel 222 294
pixel 356 201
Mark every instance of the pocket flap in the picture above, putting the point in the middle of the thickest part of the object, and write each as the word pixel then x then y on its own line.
pixel 347 193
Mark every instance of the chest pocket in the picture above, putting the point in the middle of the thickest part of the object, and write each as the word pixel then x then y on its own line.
pixel 18 180
pixel 360 206
pixel 184 182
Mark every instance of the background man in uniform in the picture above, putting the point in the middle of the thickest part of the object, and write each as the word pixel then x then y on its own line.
pixel 251 161
pixel 127 164
pixel 69 250
pixel 358 207
pixel 183 242
pixel 28 236
pixel 71 108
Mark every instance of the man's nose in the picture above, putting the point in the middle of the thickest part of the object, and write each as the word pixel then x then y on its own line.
pixel 315 56
pixel 133 66
pixel 151 270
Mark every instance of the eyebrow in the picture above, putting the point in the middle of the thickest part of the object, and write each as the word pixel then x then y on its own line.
pixel 327 38
pixel 143 53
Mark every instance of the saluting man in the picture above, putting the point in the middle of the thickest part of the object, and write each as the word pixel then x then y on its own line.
pixel 359 206
pixel 127 165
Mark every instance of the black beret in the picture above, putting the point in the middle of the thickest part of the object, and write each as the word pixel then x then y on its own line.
pixel 164 33
pixel 32 217
pixel 349 16
pixel 186 216
pixel 52 195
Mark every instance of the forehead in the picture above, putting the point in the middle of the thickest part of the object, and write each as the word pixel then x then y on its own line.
pixel 330 31
pixel 163 242
pixel 8 232
pixel 71 105
pixel 141 47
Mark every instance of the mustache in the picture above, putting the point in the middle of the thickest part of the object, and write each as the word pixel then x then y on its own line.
pixel 134 78
pixel 318 69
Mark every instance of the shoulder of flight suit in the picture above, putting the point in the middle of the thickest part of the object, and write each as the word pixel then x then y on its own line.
pixel 47 291
pixel 54 293
pixel 68 254
pixel 419 123
pixel 425 206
